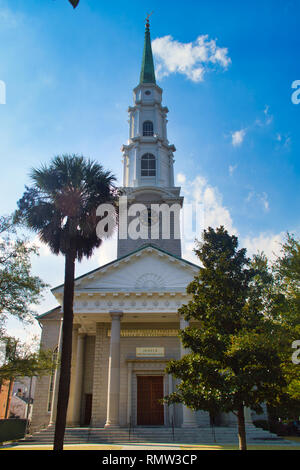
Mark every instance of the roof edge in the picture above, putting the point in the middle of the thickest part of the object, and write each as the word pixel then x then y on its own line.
pixel 148 245
pixel 37 317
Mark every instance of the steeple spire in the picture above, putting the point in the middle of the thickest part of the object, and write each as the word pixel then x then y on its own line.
pixel 147 71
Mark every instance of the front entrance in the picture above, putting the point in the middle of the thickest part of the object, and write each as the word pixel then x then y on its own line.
pixel 150 389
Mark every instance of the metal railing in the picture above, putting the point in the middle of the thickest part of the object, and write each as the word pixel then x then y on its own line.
pixel 130 429
pixel 212 425
pixel 173 429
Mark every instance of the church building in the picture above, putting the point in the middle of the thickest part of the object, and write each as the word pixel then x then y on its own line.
pixel 126 318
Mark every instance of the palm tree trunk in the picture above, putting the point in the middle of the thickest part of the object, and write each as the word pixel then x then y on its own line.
pixel 66 352
pixel 241 428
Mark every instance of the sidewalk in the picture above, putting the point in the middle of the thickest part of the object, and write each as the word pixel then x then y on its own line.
pixel 153 446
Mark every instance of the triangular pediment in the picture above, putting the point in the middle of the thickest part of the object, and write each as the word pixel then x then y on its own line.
pixel 147 269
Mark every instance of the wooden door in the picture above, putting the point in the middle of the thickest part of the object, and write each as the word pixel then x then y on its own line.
pixel 150 389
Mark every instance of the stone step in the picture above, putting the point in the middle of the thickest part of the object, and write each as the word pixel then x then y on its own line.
pixel 218 435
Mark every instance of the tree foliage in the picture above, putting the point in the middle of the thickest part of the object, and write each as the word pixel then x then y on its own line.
pixel 74 3
pixel 23 360
pixel 19 289
pixel 234 360
pixel 285 310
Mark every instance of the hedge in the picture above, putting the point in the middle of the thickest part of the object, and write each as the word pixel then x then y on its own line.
pixel 12 429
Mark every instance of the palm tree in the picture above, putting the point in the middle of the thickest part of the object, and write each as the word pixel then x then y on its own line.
pixel 61 206
pixel 74 3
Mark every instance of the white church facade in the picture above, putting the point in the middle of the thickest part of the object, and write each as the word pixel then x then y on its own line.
pixel 126 318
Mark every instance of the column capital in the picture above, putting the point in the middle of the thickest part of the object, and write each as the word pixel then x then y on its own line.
pixel 116 314
pixel 183 323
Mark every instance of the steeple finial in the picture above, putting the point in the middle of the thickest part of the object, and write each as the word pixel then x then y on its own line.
pixel 147 71
pixel 147 20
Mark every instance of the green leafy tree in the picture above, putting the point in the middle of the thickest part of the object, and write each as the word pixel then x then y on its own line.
pixel 287 276
pixel 233 361
pixel 285 310
pixel 19 289
pixel 23 359
pixel 19 359
pixel 61 207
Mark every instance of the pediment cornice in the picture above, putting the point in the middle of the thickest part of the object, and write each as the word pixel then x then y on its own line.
pixel 129 259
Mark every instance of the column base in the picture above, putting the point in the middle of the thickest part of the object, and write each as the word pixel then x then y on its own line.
pixel 73 424
pixel 112 426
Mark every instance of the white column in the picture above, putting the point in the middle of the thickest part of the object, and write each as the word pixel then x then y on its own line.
pixel 56 378
pixel 171 169
pixel 99 377
pixel 171 407
pixel 136 174
pixel 78 380
pixel 129 392
pixel 158 165
pixel 113 392
pixel 188 415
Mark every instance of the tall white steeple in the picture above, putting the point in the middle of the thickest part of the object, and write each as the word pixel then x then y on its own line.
pixel 148 173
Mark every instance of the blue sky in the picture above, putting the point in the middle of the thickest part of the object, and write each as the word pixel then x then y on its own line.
pixel 69 76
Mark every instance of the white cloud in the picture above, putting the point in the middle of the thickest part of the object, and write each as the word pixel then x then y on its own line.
pixel 250 196
pixel 215 213
pixel 261 198
pixel 284 140
pixel 43 249
pixel 25 332
pixel 237 137
pixel 265 202
pixel 232 169
pixel 208 210
pixel 270 244
pixel 180 178
pixel 108 251
pixel 191 59
pixel 8 18
pixel 269 117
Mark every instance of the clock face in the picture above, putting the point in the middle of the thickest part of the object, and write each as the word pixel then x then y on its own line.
pixel 148 217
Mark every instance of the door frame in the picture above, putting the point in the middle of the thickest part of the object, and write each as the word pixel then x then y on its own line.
pixel 164 381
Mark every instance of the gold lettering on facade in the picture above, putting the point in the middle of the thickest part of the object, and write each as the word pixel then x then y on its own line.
pixel 147 332
pixel 150 352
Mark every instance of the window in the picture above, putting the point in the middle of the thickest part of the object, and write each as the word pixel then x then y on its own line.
pixel 147 128
pixel 148 165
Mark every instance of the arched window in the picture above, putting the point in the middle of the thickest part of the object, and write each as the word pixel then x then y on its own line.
pixel 147 128
pixel 148 165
